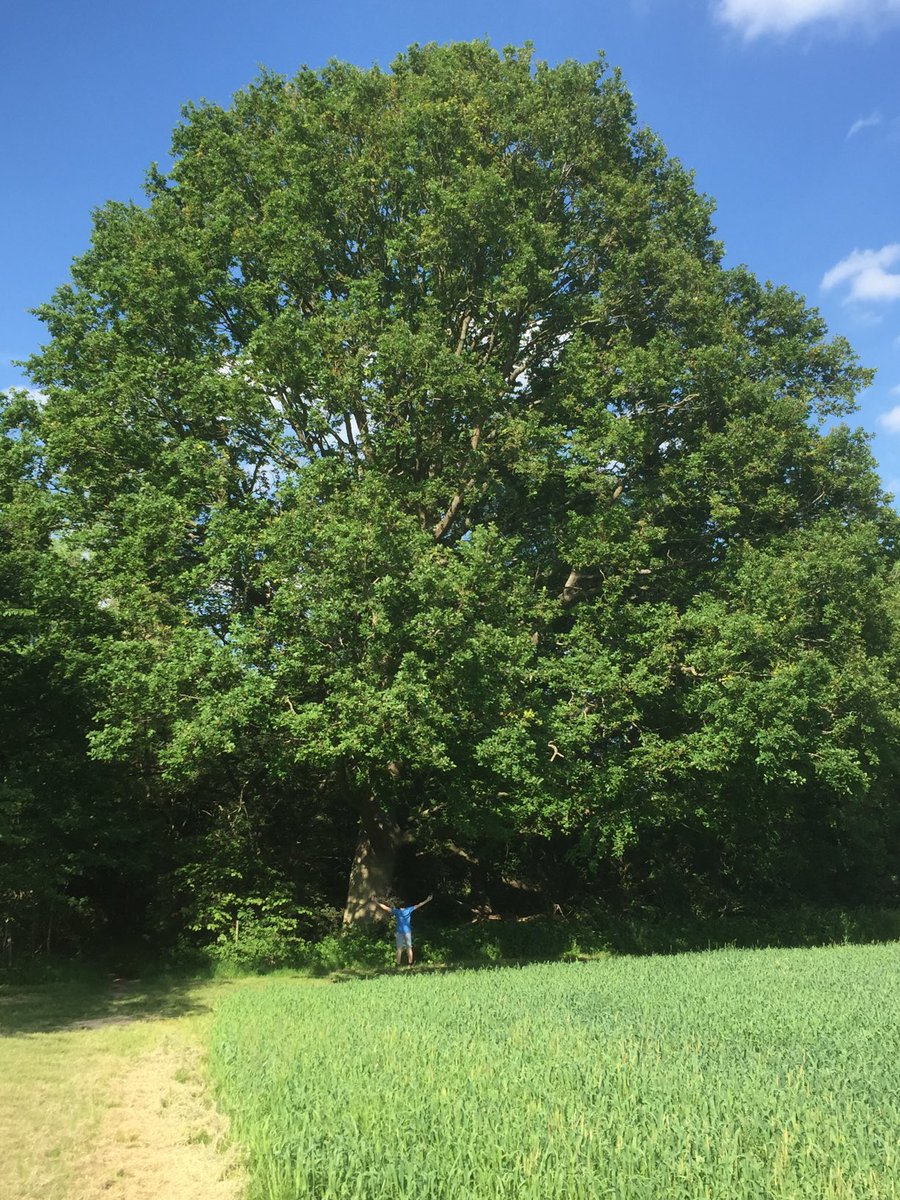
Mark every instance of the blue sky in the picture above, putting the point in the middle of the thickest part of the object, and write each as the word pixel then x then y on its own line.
pixel 787 110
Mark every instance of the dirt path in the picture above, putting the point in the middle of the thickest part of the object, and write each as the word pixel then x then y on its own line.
pixel 161 1138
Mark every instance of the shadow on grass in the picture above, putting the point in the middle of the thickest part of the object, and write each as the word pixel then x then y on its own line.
pixel 89 1000
pixel 582 938
pixel 357 974
pixel 82 998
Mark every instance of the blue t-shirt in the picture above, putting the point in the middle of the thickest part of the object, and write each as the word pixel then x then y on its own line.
pixel 403 915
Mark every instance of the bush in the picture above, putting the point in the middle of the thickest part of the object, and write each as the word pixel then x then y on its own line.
pixel 262 943
pixel 366 948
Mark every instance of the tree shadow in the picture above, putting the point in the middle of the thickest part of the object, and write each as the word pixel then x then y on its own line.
pixel 91 1001
pixel 360 974
pixel 517 943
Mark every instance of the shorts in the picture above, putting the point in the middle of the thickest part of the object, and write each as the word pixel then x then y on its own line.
pixel 404 939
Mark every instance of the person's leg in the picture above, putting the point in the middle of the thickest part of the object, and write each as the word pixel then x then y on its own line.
pixel 409 953
pixel 399 955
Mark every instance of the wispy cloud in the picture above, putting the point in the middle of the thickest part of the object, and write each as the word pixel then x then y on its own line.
pixel 868 122
pixel 755 18
pixel 867 275
pixel 891 419
pixel 40 398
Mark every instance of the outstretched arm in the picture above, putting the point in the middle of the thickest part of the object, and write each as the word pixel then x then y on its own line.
pixel 387 908
pixel 422 903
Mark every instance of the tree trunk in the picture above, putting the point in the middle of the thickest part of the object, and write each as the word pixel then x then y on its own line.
pixel 372 872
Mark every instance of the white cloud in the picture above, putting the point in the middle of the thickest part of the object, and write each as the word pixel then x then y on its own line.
pixel 895 391
pixel 868 122
pixel 40 398
pixel 891 419
pixel 754 18
pixel 867 275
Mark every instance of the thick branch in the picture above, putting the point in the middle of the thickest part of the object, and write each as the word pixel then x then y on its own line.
pixel 463 332
pixel 456 503
pixel 581 585
pixel 450 515
pixel 572 588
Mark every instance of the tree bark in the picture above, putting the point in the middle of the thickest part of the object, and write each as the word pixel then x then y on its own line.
pixel 372 872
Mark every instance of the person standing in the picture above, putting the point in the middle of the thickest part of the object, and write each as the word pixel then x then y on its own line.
pixel 402 915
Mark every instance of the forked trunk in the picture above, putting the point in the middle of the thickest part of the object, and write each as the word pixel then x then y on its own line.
pixel 372 873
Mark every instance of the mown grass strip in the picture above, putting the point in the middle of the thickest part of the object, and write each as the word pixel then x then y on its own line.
pixel 65 1047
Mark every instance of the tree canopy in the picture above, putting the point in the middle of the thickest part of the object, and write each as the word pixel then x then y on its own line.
pixel 422 476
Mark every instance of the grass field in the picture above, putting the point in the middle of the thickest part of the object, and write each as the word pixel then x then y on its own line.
pixel 731 1075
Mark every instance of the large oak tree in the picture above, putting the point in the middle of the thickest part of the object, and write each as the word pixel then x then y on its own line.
pixel 414 432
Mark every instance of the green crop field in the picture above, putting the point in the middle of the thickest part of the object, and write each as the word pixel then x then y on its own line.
pixel 731 1074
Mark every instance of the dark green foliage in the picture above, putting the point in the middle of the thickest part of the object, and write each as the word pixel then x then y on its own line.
pixel 64 819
